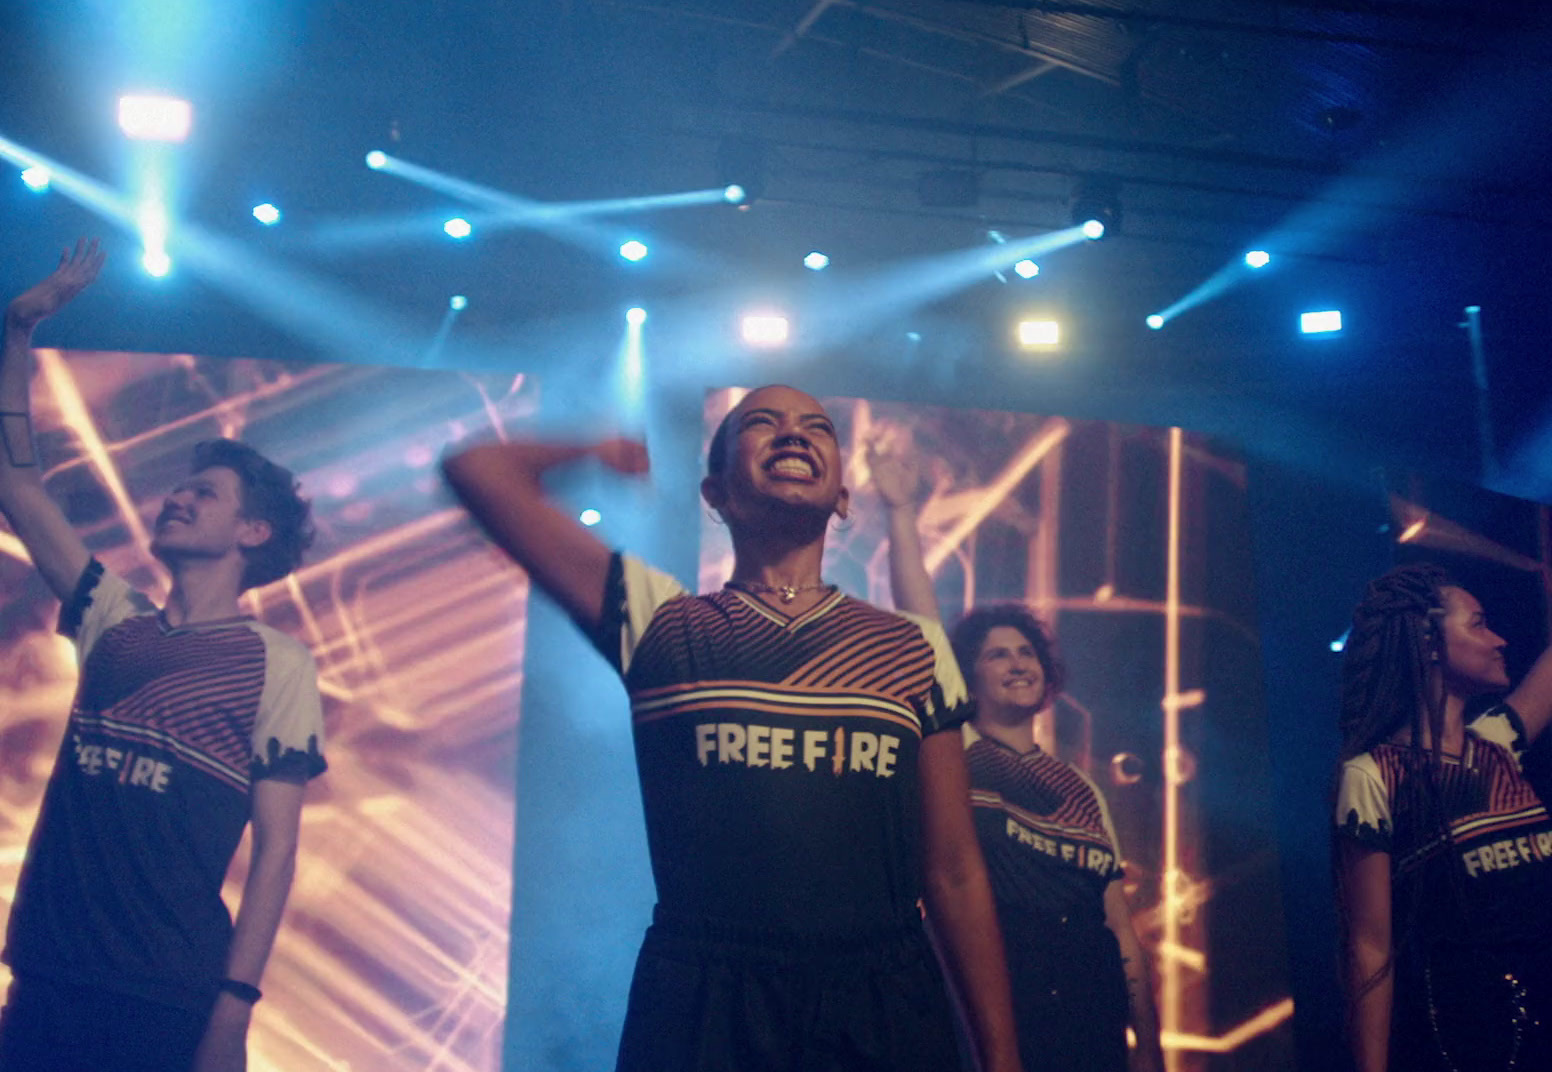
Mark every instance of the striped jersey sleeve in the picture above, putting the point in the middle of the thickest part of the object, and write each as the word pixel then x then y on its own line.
pixel 1363 805
pixel 632 595
pixel 288 730
pixel 100 601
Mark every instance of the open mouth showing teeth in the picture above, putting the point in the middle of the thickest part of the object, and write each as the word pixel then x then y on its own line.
pixel 791 467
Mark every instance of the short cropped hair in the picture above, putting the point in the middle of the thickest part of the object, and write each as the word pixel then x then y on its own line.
pixel 969 634
pixel 270 493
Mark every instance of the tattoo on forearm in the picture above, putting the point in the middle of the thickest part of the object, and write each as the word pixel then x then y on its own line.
pixel 16 431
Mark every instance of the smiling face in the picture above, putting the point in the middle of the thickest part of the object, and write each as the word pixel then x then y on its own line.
pixel 1473 653
pixel 781 460
pixel 1007 679
pixel 203 518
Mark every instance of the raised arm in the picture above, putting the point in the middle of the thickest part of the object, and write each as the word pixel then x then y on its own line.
pixel 960 906
pixel 1532 697
pixel 1365 892
pixel 896 479
pixel 36 519
pixel 500 483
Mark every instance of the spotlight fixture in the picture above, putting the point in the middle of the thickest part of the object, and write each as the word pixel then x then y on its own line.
pixel 766 330
pixel 458 303
pixel 1155 321
pixel 1039 333
pixel 376 159
pixel 156 263
pixel 1321 322
pixel 267 214
pixel 741 164
pixel 458 227
pixel 590 517
pixel 37 178
pixel 1096 206
pixel 1258 258
pixel 816 261
pixel 1026 269
pixel 145 117
pixel 633 250
pixel 635 316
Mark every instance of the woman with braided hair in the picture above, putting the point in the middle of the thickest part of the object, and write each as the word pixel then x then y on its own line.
pixel 1444 851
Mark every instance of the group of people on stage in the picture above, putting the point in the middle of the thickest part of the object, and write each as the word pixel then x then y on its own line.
pixel 863 859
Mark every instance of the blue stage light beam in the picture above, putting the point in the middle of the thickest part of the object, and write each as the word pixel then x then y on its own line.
pixel 854 305
pixel 632 365
pixel 565 219
pixel 313 308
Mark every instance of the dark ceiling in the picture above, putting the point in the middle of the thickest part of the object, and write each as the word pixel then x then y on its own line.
pixel 1390 152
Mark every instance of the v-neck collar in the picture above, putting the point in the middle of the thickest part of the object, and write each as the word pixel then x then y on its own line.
pixel 168 629
pixel 790 623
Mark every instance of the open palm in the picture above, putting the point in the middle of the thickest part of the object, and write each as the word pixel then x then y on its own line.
pixel 77 268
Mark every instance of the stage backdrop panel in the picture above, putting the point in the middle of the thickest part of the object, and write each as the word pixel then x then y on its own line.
pixel 393 954
pixel 1133 544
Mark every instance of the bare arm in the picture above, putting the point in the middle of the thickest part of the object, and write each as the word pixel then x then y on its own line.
pixel 36 519
pixel 500 485
pixel 276 816
pixel 1144 1017
pixel 1365 879
pixel 896 478
pixel 959 904
pixel 1532 697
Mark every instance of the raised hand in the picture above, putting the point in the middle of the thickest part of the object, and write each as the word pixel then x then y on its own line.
pixel 895 475
pixel 627 456
pixel 77 268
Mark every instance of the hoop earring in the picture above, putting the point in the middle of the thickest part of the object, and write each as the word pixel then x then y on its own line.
pixel 714 517
pixel 842 524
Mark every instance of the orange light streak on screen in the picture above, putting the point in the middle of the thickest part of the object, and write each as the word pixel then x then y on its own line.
pixel 393 953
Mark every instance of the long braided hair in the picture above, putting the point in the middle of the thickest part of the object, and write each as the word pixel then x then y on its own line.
pixel 1396 643
pixel 1392 681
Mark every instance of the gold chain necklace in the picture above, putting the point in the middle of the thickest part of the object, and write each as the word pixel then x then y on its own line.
pixel 787 592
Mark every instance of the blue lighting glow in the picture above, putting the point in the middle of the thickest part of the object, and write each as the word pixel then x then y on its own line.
pixel 635 316
pixel 633 250
pixel 156 263
pixel 458 303
pixel 376 159
pixel 37 178
pixel 1026 269
pixel 458 227
pixel 1155 321
pixel 1322 322
pixel 1258 258
pixel 1093 230
pixel 734 194
pixel 816 261
pixel 590 517
pixel 267 214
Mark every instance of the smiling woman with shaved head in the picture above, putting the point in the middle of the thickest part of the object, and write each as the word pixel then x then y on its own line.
pixel 803 792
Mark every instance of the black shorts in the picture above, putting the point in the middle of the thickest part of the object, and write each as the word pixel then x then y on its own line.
pixel 50 1026
pixel 1069 993
pixel 710 997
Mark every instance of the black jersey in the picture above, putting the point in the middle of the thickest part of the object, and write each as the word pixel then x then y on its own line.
pixel 1049 844
pixel 778 756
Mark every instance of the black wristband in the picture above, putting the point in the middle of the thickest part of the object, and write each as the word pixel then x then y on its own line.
pixel 240 990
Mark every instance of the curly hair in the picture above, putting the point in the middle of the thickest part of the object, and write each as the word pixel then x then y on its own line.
pixel 1396 638
pixel 270 493
pixel 969 634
